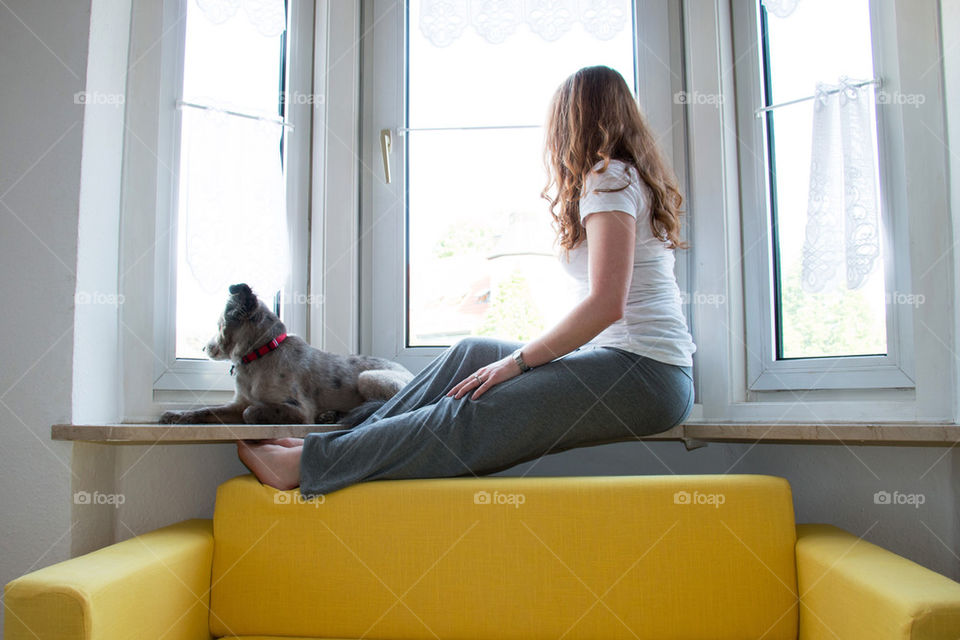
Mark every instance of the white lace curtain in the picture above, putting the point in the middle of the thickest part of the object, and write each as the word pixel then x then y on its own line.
pixel 269 17
pixel 780 8
pixel 842 240
pixel 443 21
pixel 232 188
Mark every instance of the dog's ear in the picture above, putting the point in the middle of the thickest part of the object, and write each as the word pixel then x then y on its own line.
pixel 242 288
pixel 243 298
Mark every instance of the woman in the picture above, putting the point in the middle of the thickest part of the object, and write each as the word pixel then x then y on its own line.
pixel 616 367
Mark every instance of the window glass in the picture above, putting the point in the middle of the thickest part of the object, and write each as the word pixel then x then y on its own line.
pixel 231 212
pixel 480 250
pixel 821 41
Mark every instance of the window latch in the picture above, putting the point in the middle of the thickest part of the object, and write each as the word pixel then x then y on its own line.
pixel 386 143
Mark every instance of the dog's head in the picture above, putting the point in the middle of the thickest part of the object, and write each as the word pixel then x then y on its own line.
pixel 245 324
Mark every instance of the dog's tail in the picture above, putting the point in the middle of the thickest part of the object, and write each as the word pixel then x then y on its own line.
pixel 361 413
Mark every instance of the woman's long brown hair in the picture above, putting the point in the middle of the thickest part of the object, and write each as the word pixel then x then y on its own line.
pixel 594 117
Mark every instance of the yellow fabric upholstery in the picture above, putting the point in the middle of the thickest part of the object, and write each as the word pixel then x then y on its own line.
pixel 608 557
pixel 651 557
pixel 855 590
pixel 149 587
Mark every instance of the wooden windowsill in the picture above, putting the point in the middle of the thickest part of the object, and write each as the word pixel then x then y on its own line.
pixel 691 433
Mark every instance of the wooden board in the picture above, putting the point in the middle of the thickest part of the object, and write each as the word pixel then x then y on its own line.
pixel 691 433
pixel 180 433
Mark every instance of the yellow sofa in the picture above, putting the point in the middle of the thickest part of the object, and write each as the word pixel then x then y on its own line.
pixel 706 557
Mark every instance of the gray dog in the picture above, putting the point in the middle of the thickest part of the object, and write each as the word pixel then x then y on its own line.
pixel 280 379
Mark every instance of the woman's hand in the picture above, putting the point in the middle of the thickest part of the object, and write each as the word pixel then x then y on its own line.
pixel 485 378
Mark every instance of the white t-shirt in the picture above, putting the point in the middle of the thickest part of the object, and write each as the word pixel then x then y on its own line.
pixel 653 324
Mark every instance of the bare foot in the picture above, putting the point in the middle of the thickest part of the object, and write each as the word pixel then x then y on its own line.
pixel 284 442
pixel 275 465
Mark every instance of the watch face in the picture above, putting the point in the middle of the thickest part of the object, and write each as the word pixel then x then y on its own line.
pixel 518 357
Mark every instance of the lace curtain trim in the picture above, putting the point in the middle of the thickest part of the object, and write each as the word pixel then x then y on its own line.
pixel 780 8
pixel 443 21
pixel 269 17
pixel 842 235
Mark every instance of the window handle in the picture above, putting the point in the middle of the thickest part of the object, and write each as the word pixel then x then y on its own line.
pixel 386 143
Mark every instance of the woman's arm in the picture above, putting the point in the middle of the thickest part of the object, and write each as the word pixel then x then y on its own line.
pixel 612 238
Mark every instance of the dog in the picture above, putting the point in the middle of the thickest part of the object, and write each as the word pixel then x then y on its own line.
pixel 280 379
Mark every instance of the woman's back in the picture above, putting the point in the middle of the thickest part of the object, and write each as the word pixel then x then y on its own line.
pixel 653 324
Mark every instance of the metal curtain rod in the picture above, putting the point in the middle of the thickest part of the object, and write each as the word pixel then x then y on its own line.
pixel 762 110
pixel 403 130
pixel 193 105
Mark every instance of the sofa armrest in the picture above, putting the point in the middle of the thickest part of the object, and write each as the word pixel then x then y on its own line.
pixel 156 585
pixel 852 589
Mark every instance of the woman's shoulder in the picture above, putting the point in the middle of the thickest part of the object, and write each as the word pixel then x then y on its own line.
pixel 613 166
pixel 617 175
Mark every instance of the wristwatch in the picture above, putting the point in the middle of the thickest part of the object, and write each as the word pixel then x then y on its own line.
pixel 518 358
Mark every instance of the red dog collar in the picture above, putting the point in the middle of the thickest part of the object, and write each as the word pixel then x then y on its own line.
pixel 265 349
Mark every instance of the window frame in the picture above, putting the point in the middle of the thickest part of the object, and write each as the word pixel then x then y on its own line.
pixel 765 372
pixel 718 139
pixel 708 135
pixel 658 77
pixel 150 187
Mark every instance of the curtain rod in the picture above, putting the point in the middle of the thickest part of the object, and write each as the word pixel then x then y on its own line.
pixel 193 105
pixel 763 110
pixel 403 130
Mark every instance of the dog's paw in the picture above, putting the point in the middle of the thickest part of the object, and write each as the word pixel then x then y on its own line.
pixel 328 417
pixel 172 417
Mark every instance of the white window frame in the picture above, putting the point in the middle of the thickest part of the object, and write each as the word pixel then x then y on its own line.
pixel 336 239
pixel 705 134
pixel 764 371
pixel 717 197
pixel 658 54
pixel 149 213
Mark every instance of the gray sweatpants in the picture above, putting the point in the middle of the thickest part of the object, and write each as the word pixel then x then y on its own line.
pixel 591 396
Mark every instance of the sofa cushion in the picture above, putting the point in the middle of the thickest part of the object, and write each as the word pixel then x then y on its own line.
pixel 638 557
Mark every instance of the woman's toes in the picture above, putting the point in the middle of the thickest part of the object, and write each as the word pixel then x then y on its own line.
pixel 274 465
pixel 285 442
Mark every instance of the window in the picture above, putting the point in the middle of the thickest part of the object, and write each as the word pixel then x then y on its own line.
pixel 468 242
pixel 811 321
pixel 235 209
pixel 231 210
pixel 216 175
pixel 480 257
pixel 820 275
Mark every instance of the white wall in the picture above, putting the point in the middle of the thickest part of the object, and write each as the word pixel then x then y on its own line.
pixel 43 53
pixel 96 384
